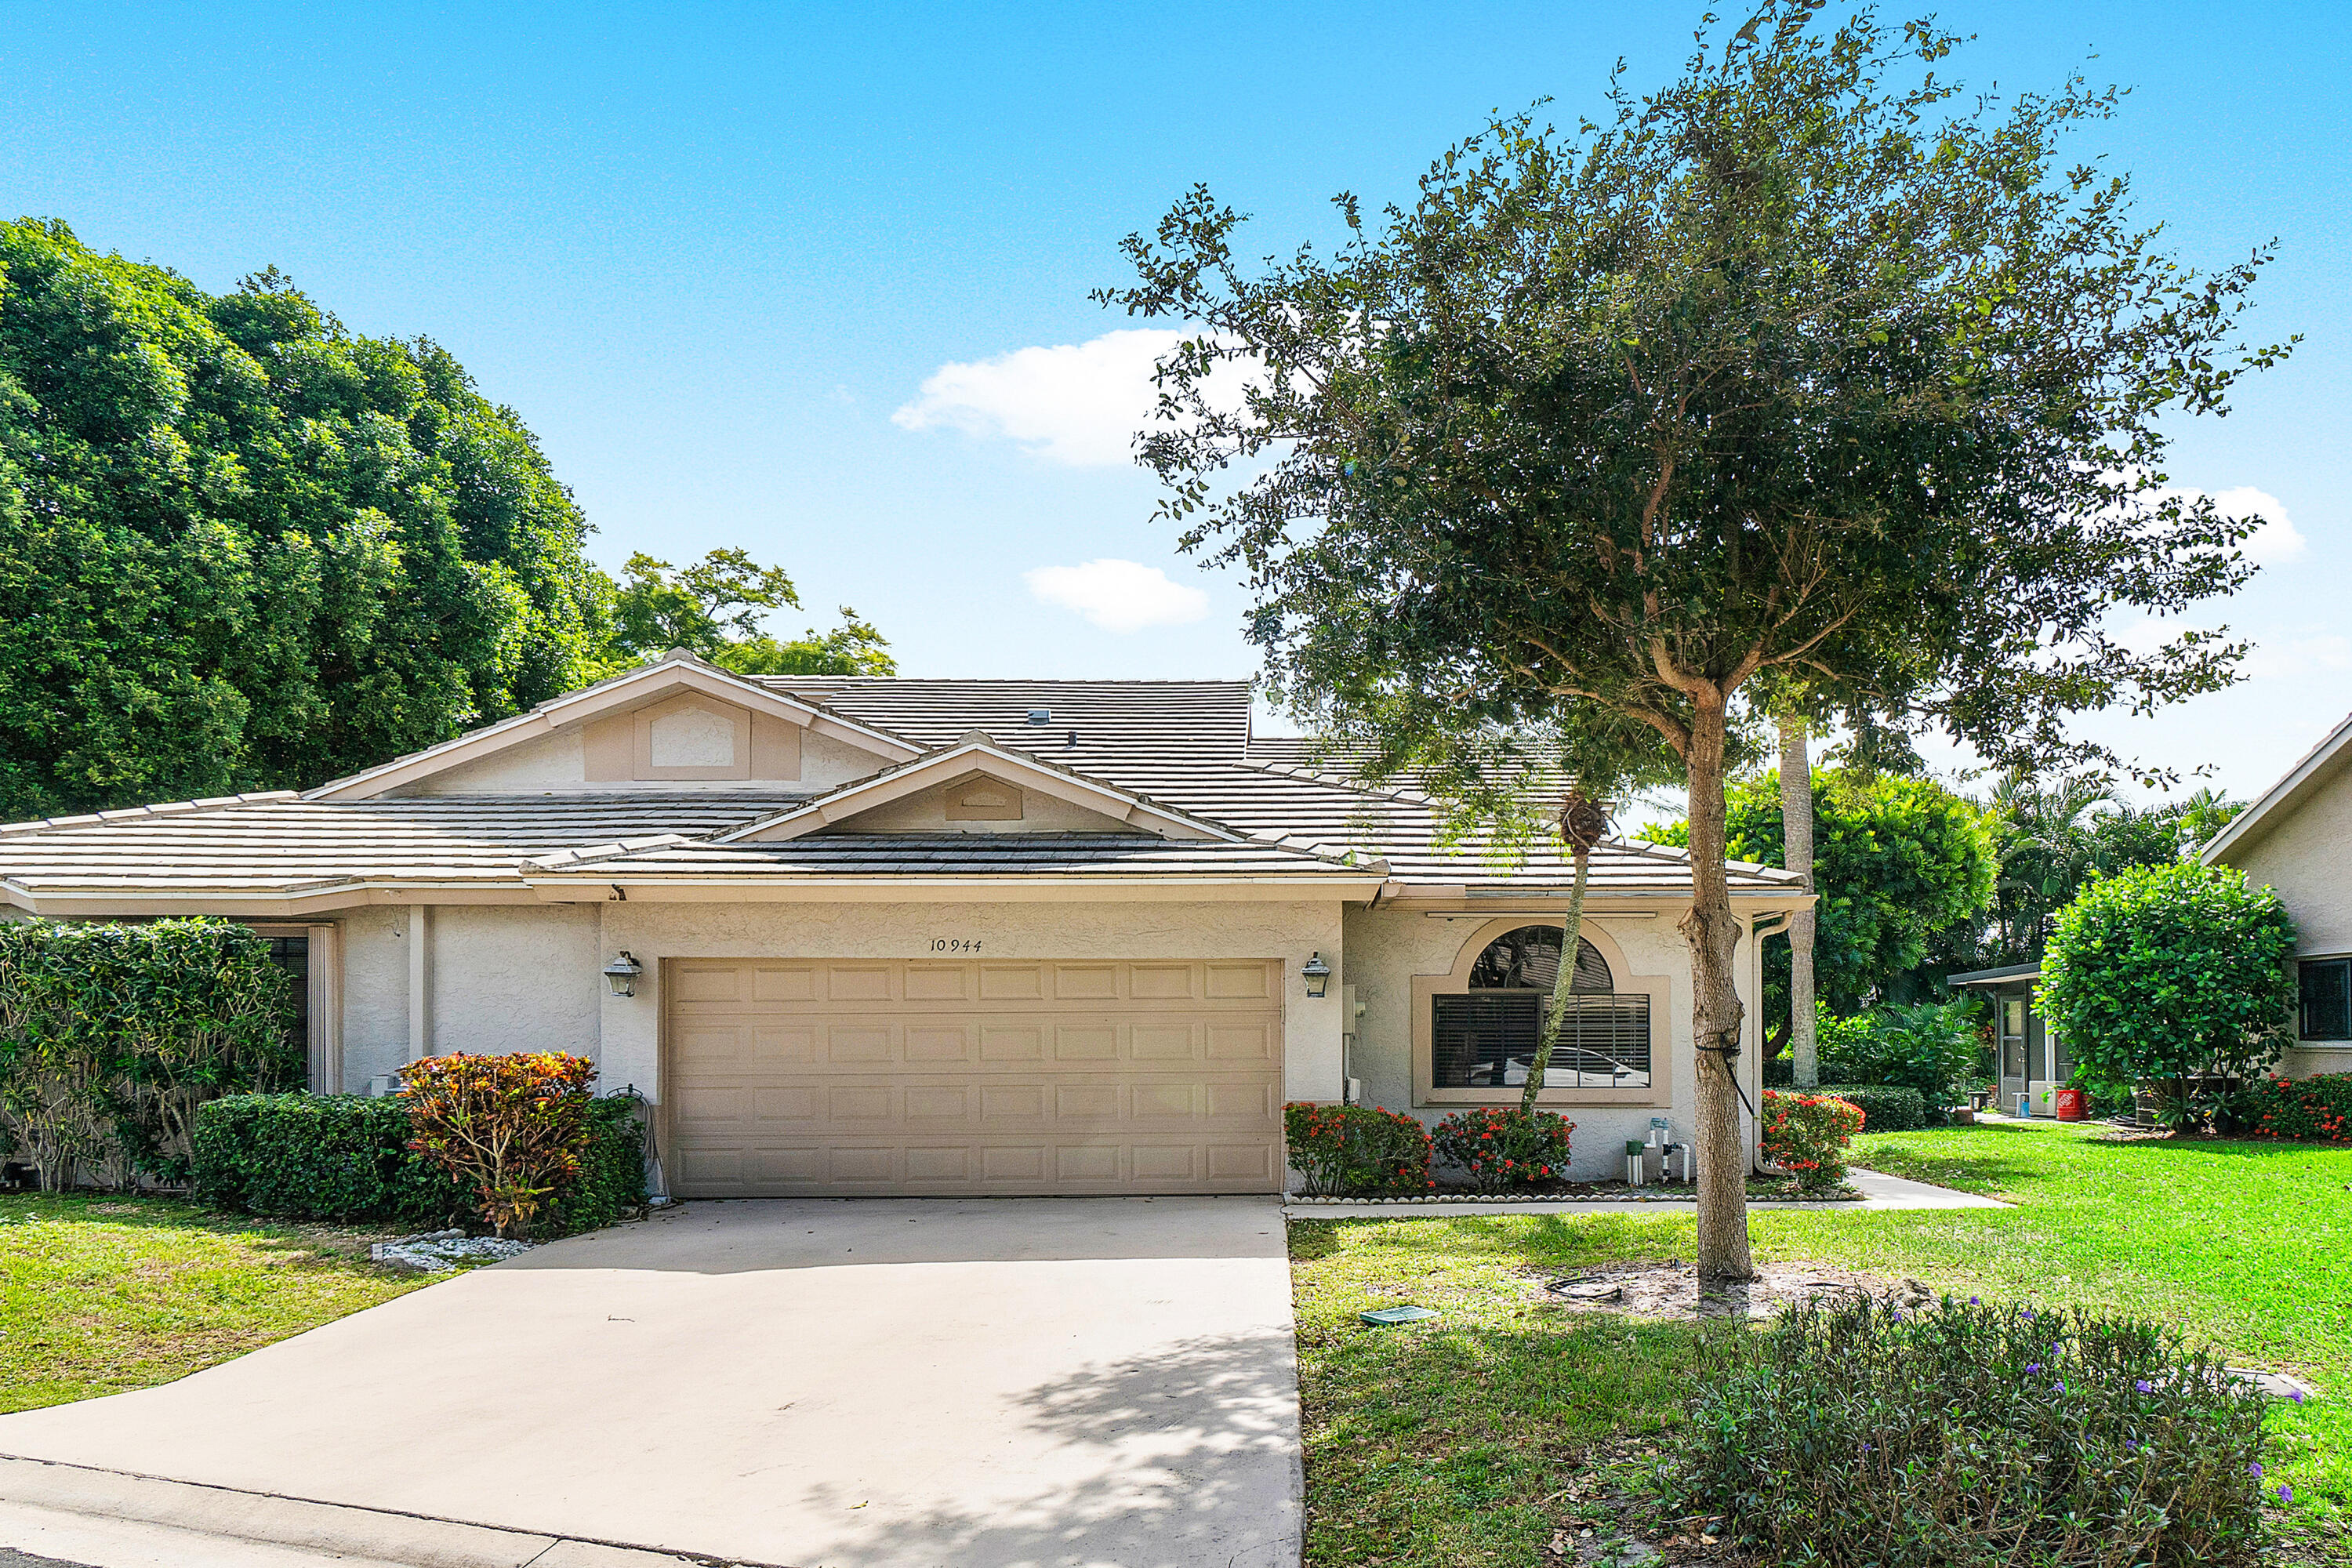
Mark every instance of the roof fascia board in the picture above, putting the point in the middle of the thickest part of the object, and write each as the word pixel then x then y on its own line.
pixel 865 795
pixel 622 691
pixel 2248 824
pixel 1004 890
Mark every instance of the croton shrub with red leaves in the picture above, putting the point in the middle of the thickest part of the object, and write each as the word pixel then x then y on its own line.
pixel 1357 1151
pixel 1503 1148
pixel 511 1129
pixel 1809 1134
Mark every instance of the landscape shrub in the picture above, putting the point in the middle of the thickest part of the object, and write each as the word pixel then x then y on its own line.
pixel 1888 1108
pixel 341 1158
pixel 1502 1149
pixel 1933 1048
pixel 2318 1107
pixel 1807 1133
pixel 509 1128
pixel 2177 977
pixel 1964 1436
pixel 345 1159
pixel 111 1036
pixel 1357 1151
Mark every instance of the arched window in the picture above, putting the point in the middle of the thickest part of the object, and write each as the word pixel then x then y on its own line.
pixel 1488 1038
pixel 1528 959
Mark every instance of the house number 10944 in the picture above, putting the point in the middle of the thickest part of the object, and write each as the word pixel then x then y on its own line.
pixel 954 944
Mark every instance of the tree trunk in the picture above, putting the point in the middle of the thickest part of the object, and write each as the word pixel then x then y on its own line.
pixel 1797 834
pixel 1563 984
pixel 1713 934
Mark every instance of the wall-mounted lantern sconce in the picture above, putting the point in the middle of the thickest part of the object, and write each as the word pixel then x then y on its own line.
pixel 1317 974
pixel 621 973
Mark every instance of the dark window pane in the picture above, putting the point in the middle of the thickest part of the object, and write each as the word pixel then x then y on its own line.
pixel 2326 988
pixel 292 954
pixel 1528 959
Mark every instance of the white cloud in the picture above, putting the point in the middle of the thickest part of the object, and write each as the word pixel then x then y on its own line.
pixel 1079 404
pixel 1119 596
pixel 2324 653
pixel 2277 538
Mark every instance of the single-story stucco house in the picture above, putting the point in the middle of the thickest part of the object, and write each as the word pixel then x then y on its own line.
pixel 906 936
pixel 2298 838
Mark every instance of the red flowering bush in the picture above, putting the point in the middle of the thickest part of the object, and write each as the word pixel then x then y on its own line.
pixel 1504 1149
pixel 1807 1133
pixel 512 1128
pixel 1357 1151
pixel 2318 1107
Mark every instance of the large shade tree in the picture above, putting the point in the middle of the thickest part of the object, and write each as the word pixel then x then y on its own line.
pixel 1802 366
pixel 244 547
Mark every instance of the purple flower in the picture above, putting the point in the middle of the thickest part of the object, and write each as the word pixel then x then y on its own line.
pixel 2032 1367
pixel 2145 1386
pixel 2286 1494
pixel 2028 1313
pixel 1974 1303
pixel 2062 1385
pixel 2130 1445
pixel 2254 1468
pixel 2296 1395
pixel 2053 1347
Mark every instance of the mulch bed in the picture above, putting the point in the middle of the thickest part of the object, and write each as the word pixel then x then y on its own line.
pixel 1671 1289
pixel 1762 1190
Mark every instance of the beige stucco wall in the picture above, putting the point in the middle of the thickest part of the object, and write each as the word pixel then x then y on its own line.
pixel 630 1029
pixel 517 978
pixel 925 811
pixel 2304 851
pixel 374 945
pixel 558 762
pixel 1385 948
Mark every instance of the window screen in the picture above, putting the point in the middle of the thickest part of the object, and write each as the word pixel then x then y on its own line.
pixel 2324 988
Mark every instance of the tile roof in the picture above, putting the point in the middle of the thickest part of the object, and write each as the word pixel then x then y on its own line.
pixel 1183 745
pixel 958 855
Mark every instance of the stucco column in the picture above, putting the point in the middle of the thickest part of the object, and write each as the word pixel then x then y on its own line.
pixel 420 982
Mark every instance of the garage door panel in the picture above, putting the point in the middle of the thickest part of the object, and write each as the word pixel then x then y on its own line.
pixel 1086 1102
pixel 1088 1042
pixel 860 1075
pixel 859 1045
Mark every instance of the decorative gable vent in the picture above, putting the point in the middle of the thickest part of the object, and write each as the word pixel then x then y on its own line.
pixel 983 800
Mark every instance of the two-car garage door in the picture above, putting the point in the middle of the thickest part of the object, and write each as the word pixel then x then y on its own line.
pixel 841 1077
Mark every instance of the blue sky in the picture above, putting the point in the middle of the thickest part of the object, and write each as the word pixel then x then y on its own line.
pixel 709 252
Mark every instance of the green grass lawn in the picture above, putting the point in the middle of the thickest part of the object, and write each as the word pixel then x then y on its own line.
pixel 1453 1443
pixel 98 1295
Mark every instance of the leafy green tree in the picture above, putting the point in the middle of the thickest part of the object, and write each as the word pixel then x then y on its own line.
pixel 2177 975
pixel 242 547
pixel 2054 836
pixel 714 607
pixel 1896 861
pixel 1792 366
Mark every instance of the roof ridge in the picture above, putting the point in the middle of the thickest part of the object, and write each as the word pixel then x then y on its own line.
pixel 136 813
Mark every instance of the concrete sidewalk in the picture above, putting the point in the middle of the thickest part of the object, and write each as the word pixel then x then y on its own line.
pixel 99 1518
pixel 851 1382
pixel 1879 1192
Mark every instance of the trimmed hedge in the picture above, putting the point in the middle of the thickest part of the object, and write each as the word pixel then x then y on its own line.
pixel 1884 1107
pixel 344 1158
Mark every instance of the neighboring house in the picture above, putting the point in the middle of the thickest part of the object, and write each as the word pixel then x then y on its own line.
pixel 927 936
pixel 2032 1059
pixel 2298 838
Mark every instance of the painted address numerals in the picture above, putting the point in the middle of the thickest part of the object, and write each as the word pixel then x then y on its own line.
pixel 954 944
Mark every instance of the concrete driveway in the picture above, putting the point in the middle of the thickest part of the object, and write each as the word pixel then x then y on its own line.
pixel 820 1384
